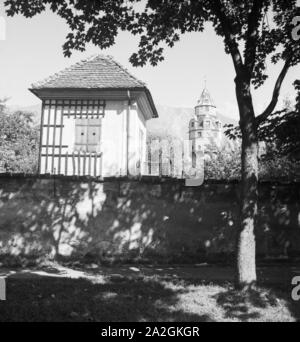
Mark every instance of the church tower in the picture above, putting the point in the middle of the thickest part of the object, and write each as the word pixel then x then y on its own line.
pixel 205 129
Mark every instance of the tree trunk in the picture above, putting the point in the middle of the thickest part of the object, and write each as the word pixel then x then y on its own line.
pixel 245 249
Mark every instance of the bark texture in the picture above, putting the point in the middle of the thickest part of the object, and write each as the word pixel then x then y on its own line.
pixel 245 258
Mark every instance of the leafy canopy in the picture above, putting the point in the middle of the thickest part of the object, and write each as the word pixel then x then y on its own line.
pixel 19 141
pixel 225 164
pixel 280 130
pixel 252 30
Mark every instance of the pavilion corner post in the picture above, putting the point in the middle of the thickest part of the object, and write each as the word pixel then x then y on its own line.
pixel 127 128
pixel 41 138
pixel 245 244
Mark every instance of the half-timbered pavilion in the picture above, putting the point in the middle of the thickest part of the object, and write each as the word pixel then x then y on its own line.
pixel 93 120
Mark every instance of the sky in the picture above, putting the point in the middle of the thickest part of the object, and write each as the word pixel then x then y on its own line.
pixel 32 50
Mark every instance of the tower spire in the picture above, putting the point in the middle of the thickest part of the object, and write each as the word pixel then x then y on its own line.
pixel 205 98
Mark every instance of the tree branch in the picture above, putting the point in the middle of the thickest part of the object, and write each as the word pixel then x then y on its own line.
pixel 229 36
pixel 251 38
pixel 268 111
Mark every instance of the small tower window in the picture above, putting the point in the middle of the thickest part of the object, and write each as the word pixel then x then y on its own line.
pixel 199 134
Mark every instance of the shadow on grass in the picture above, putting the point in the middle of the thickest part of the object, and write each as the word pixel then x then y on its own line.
pixel 249 305
pixel 117 298
pixel 245 305
pixel 132 294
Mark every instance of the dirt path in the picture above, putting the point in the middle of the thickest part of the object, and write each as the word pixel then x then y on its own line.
pixel 275 274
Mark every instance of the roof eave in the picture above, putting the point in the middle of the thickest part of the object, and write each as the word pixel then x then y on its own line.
pixel 150 99
pixel 37 92
pixel 33 91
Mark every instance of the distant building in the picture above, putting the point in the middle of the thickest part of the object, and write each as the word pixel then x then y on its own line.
pixel 93 120
pixel 205 129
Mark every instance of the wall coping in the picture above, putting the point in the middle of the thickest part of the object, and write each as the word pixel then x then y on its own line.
pixel 143 179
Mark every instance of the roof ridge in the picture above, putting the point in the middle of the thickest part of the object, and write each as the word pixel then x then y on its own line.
pixel 83 64
pixel 126 71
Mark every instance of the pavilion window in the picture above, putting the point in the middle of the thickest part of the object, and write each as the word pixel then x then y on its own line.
pixel 87 135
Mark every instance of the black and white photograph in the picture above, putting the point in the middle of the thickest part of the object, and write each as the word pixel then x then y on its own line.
pixel 149 163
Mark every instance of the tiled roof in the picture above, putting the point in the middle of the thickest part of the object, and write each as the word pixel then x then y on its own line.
pixel 97 72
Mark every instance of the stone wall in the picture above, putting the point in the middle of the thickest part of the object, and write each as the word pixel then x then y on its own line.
pixel 155 220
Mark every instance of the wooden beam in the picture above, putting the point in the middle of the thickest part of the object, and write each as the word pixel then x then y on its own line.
pixel 90 164
pixel 101 162
pixel 87 115
pixel 78 160
pixel 95 165
pixel 41 137
pixel 54 138
pixel 66 163
pixel 127 136
pixel 57 126
pixel 84 162
pixel 60 139
pixel 73 163
pixel 56 146
pixel 47 139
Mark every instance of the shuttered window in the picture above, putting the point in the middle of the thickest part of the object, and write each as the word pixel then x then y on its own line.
pixel 88 135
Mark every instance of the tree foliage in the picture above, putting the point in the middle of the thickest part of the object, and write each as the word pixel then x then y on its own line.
pixel 254 32
pixel 263 25
pixel 18 142
pixel 2 105
pixel 280 131
pixel 225 165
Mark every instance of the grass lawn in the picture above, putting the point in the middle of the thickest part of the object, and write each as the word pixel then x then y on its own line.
pixel 194 294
